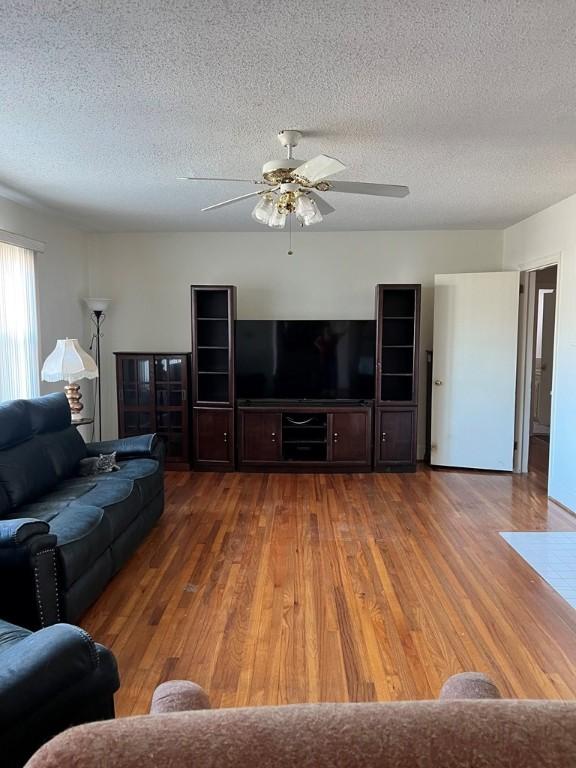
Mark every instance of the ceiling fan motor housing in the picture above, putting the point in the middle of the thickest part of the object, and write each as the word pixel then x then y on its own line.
pixel 278 171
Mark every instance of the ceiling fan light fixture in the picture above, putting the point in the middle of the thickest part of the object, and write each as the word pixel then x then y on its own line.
pixel 277 220
pixel 307 211
pixel 317 218
pixel 304 208
pixel 264 209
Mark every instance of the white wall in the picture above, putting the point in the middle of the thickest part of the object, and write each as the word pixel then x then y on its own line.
pixel 61 275
pixel 550 236
pixel 330 276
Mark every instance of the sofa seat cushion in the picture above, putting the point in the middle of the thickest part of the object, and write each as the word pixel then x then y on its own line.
pixel 40 510
pixel 82 532
pixel 145 473
pixel 10 634
pixel 119 498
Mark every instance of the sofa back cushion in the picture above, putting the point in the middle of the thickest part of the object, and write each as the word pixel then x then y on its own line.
pixel 49 413
pixel 4 502
pixel 26 471
pixel 15 424
pixel 65 448
pixel 38 447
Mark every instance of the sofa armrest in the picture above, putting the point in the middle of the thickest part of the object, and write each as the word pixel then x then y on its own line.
pixel 469 685
pixel 14 533
pixel 37 671
pixel 28 565
pixel 136 447
pixel 178 696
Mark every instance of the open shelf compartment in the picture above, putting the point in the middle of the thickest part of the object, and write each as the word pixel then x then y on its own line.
pixel 304 436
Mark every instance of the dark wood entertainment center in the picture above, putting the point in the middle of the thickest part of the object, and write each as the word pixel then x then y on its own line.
pixel 284 435
pixel 296 437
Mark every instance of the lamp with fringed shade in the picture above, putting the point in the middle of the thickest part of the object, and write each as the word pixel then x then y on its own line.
pixel 69 362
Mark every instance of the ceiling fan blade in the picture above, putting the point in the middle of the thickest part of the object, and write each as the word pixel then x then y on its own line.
pixel 232 200
pixel 214 178
pixel 362 188
pixel 324 207
pixel 320 167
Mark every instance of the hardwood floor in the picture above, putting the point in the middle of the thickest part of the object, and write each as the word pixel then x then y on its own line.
pixel 538 454
pixel 273 589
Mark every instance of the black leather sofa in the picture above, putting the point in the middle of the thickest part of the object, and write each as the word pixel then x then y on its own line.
pixel 63 537
pixel 50 680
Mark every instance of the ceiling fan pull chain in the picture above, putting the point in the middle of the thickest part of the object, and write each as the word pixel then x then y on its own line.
pixel 290 251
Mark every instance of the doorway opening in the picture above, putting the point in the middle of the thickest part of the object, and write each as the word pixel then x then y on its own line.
pixel 540 289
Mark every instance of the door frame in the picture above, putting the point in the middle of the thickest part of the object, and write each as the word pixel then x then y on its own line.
pixel 528 271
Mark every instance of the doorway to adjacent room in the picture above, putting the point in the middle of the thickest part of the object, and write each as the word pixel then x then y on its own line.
pixel 542 368
pixel 540 291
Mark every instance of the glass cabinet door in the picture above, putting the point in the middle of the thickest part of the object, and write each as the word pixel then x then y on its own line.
pixel 135 395
pixel 171 404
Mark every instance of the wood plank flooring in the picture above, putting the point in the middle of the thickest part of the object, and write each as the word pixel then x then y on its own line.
pixel 270 589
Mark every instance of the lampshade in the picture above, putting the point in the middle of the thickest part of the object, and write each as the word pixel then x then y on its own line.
pixel 97 305
pixel 68 362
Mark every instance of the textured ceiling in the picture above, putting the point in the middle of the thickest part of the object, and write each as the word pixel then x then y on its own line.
pixel 471 104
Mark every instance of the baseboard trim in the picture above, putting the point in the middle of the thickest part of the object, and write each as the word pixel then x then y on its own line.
pixel 564 507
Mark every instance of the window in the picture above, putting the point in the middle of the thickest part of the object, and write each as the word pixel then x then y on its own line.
pixel 19 373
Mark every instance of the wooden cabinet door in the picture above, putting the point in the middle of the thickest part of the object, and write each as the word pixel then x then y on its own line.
pixel 260 439
pixel 214 436
pixel 396 436
pixel 349 434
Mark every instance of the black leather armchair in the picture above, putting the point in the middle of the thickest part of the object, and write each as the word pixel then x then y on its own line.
pixel 50 680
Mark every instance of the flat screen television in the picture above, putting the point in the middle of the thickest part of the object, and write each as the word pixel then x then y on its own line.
pixel 305 359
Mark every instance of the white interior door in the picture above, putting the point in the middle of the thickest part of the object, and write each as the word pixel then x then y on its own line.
pixel 474 370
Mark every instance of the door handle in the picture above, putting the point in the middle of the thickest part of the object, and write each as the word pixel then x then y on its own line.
pixel 438 382
pixel 383 437
pixel 335 437
pixel 225 437
pixel 273 437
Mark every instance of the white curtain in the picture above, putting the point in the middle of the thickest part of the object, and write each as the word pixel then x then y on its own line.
pixel 19 370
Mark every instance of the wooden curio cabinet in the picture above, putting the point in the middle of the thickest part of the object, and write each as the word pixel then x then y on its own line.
pixel 153 396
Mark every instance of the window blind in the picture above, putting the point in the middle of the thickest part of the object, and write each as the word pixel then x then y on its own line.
pixel 19 370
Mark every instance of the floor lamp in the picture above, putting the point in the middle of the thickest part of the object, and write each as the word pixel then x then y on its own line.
pixel 98 309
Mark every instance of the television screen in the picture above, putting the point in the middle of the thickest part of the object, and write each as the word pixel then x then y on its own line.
pixel 305 359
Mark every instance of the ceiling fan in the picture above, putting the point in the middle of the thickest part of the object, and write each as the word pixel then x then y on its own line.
pixel 292 186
